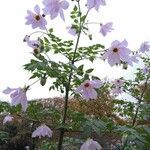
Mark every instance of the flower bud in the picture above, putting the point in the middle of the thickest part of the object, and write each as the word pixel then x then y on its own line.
pixel 43 80
pixel 125 66
pixel 36 51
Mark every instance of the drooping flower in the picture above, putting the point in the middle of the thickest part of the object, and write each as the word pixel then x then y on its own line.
pixel 90 144
pixel 42 131
pixel 117 52
pixel 36 19
pixel 145 47
pixel 106 28
pixel 31 43
pixel 55 7
pixel 87 89
pixel 8 118
pixel 34 44
pixel 18 96
pixel 95 4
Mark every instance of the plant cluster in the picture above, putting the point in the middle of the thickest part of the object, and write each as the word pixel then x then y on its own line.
pixel 91 115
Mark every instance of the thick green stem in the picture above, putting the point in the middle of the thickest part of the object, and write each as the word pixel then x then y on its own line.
pixel 62 130
pixel 66 97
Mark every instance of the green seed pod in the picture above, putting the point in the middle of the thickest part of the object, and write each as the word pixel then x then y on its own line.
pixel 125 66
pixel 43 80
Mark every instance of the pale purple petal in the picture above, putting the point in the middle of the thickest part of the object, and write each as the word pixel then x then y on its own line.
pixel 124 43
pixel 8 90
pixel 15 98
pixel 92 94
pixel 90 144
pixel 101 2
pixel 42 131
pixel 24 102
pixel 53 15
pixel 90 4
pixel 18 96
pixel 145 47
pixel 123 53
pixel 146 70
pixel 8 118
pixel 95 4
pixel 62 15
pixel 105 55
pixel 64 4
pixel 98 3
pixel 116 91
pixel 45 2
pixel 37 9
pixel 115 43
pixel 106 28
pixel 89 94
pixel 79 89
pixel 97 145
pixel 113 59
pixel 133 58
pixel 55 7
pixel 71 31
pixel 85 95
pixel 96 83
pixel 118 82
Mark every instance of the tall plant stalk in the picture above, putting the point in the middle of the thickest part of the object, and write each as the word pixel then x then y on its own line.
pixel 67 88
pixel 140 101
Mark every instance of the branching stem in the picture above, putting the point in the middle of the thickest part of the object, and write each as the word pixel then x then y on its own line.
pixel 62 130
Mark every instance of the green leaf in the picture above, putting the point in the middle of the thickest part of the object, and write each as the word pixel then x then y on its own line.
pixel 89 70
pixel 75 8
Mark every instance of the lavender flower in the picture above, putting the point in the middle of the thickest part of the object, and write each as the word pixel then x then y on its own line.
pixel 145 47
pixel 34 44
pixel 117 52
pixel 90 144
pixel 42 130
pixel 116 91
pixel 133 58
pixel 106 28
pixel 18 96
pixel 118 82
pixel 55 7
pixel 36 19
pixel 117 87
pixel 8 118
pixel 31 43
pixel 87 89
pixel 95 4
pixel 146 70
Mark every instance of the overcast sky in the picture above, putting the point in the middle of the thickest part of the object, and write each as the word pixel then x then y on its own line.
pixel 131 22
